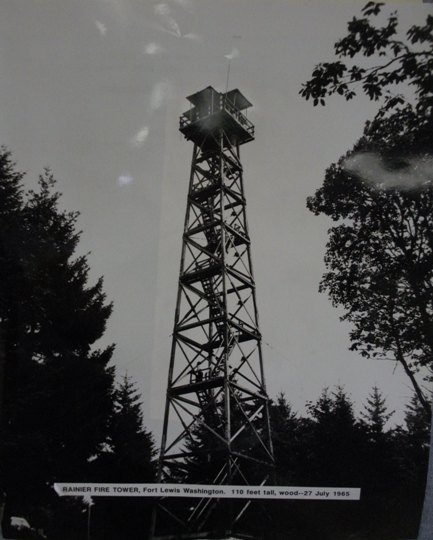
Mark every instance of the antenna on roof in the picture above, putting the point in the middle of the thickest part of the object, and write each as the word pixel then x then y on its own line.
pixel 234 53
pixel 228 75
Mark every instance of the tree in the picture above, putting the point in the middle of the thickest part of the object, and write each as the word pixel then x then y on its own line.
pixel 336 440
pixel 129 453
pixel 288 438
pixel 58 386
pixel 417 441
pixel 384 480
pixel 379 258
pixel 376 415
pixel 128 457
pixel 393 62
pixel 10 203
pixel 333 456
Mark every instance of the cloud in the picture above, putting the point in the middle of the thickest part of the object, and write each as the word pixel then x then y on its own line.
pixel 152 49
pixel 101 27
pixel 403 173
pixel 125 179
pixel 140 137
pixel 234 53
pixel 160 92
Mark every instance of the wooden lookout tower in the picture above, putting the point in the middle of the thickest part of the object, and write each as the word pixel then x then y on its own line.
pixel 216 424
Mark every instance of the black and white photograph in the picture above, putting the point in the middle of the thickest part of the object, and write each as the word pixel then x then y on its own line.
pixel 216 248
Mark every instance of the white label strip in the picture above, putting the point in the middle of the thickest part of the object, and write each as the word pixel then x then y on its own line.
pixel 207 491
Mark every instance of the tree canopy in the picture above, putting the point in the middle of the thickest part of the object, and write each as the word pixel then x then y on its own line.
pixel 392 61
pixel 57 385
pixel 380 256
pixel 128 457
pixel 333 445
pixel 62 417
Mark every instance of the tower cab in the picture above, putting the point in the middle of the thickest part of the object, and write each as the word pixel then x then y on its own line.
pixel 217 116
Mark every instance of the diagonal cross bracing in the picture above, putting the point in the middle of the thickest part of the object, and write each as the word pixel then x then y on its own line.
pixel 216 423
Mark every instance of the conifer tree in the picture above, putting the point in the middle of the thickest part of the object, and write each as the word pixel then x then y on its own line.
pixel 128 457
pixel 416 440
pixel 335 440
pixel 376 414
pixel 289 440
pixel 57 392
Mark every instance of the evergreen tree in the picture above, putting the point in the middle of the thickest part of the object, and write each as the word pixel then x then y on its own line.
pixel 336 439
pixel 10 206
pixel 383 501
pixel 419 460
pixel 57 394
pixel 416 440
pixel 291 438
pixel 128 457
pixel 334 454
pixel 410 450
pixel 376 415
pixel 288 436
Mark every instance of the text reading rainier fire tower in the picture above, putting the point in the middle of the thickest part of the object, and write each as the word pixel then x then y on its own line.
pixel 216 425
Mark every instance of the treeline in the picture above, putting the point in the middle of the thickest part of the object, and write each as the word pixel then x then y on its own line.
pixel 331 446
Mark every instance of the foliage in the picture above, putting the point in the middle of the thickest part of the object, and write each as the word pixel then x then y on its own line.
pixel 129 452
pixel 379 258
pixel 128 457
pixel 376 415
pixel 380 266
pixel 332 446
pixel 289 433
pixel 62 418
pixel 392 62
pixel 58 386
pixel 380 262
pixel 335 440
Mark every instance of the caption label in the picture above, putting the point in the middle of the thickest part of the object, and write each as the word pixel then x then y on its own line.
pixel 207 491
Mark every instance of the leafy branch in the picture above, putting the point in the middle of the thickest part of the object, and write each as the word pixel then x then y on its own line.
pixel 405 61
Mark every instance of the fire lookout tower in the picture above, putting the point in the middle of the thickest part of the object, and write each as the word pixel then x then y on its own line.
pixel 216 424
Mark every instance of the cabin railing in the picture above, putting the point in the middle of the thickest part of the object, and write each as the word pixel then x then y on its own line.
pixel 221 103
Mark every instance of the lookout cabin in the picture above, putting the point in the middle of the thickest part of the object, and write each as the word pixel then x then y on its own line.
pixel 212 111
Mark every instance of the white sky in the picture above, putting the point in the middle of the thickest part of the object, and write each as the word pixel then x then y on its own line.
pixel 94 88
